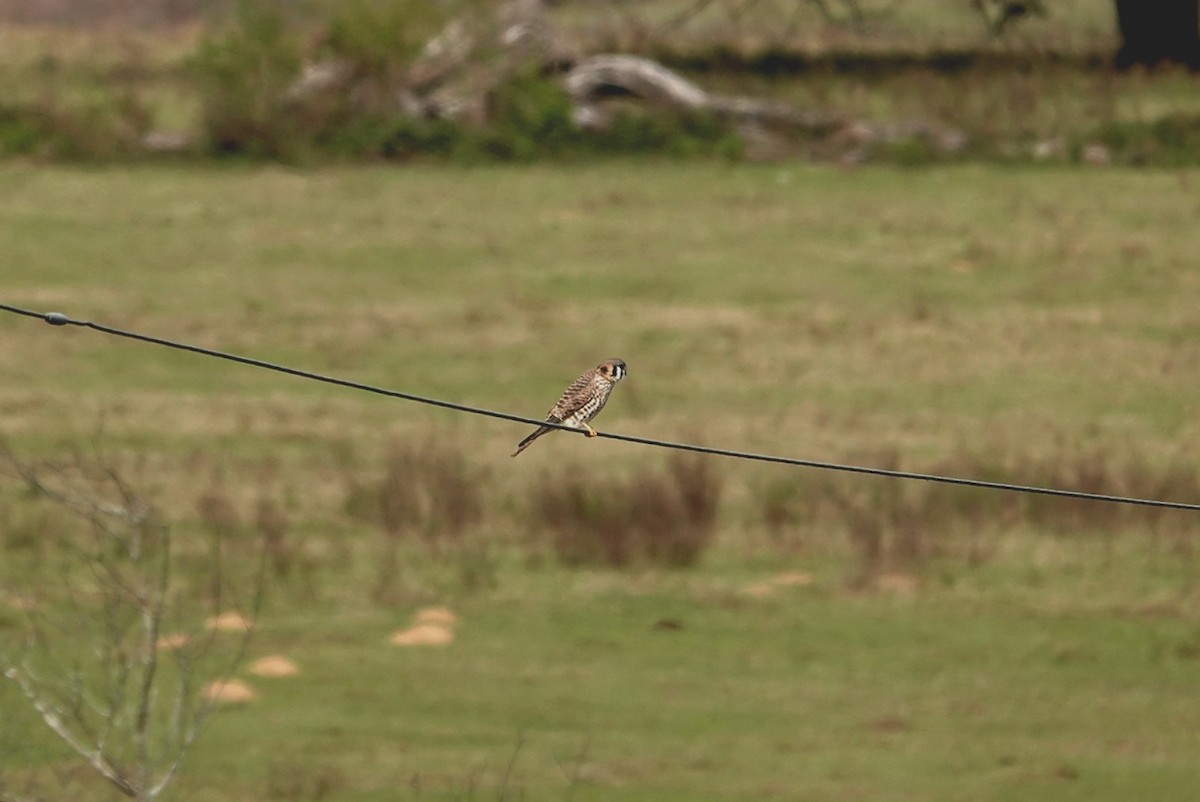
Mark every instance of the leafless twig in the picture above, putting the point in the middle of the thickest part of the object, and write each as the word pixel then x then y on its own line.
pixel 93 664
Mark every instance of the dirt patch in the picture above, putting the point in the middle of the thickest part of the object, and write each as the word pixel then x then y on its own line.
pixel 229 692
pixel 274 665
pixel 423 635
pixel 229 622
pixel 169 643
pixel 431 626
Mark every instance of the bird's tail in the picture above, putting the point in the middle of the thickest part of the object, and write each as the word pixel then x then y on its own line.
pixel 524 444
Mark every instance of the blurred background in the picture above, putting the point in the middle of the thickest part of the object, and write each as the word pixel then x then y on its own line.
pixel 944 236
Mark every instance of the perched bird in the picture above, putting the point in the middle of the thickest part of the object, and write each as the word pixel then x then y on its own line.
pixel 581 401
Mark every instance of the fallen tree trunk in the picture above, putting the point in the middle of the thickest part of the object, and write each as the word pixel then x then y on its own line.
pixel 595 79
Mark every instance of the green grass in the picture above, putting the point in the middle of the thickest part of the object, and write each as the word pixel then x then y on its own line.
pixel 1024 317
pixel 812 696
pixel 874 297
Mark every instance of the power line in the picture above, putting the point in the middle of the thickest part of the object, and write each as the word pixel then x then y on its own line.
pixel 59 319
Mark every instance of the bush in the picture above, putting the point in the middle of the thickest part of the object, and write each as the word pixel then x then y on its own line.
pixel 380 37
pixel 635 130
pixel 529 117
pixel 21 131
pixel 392 137
pixel 665 518
pixel 108 127
pixel 428 501
pixel 428 491
pixel 243 73
pixel 891 525
pixel 1172 141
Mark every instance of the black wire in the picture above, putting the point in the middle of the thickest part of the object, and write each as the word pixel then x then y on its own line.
pixel 59 319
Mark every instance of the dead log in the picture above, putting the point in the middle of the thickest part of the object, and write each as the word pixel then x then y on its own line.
pixel 596 79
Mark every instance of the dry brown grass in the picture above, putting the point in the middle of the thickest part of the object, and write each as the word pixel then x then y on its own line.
pixel 427 495
pixel 661 517
pixel 93 13
pixel 428 491
pixel 423 635
pixel 894 527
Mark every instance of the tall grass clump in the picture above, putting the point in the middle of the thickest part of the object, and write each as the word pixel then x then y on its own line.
pixel 665 517
pixel 107 125
pixel 427 500
pixel 1170 141
pixel 242 72
pixel 894 525
pixel 428 492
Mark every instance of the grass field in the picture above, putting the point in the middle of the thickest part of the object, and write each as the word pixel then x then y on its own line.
pixel 1023 324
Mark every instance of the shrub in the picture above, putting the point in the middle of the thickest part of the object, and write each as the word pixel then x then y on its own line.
pixel 380 37
pixel 898 525
pixel 428 491
pixel 21 130
pixel 665 518
pixel 426 496
pixel 1172 141
pixel 107 127
pixel 392 136
pixel 243 73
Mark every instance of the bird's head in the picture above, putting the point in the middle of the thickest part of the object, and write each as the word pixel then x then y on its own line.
pixel 612 369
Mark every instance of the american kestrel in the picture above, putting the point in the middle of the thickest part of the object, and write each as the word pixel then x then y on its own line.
pixel 581 401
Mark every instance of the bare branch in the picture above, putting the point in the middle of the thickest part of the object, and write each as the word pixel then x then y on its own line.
pixel 95 758
pixel 92 660
pixel 153 607
pixel 512 764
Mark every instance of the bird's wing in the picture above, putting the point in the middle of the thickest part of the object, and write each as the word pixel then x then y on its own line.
pixel 574 397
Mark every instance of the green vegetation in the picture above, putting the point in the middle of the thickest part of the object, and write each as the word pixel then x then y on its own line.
pixel 832 636
pixel 1042 92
